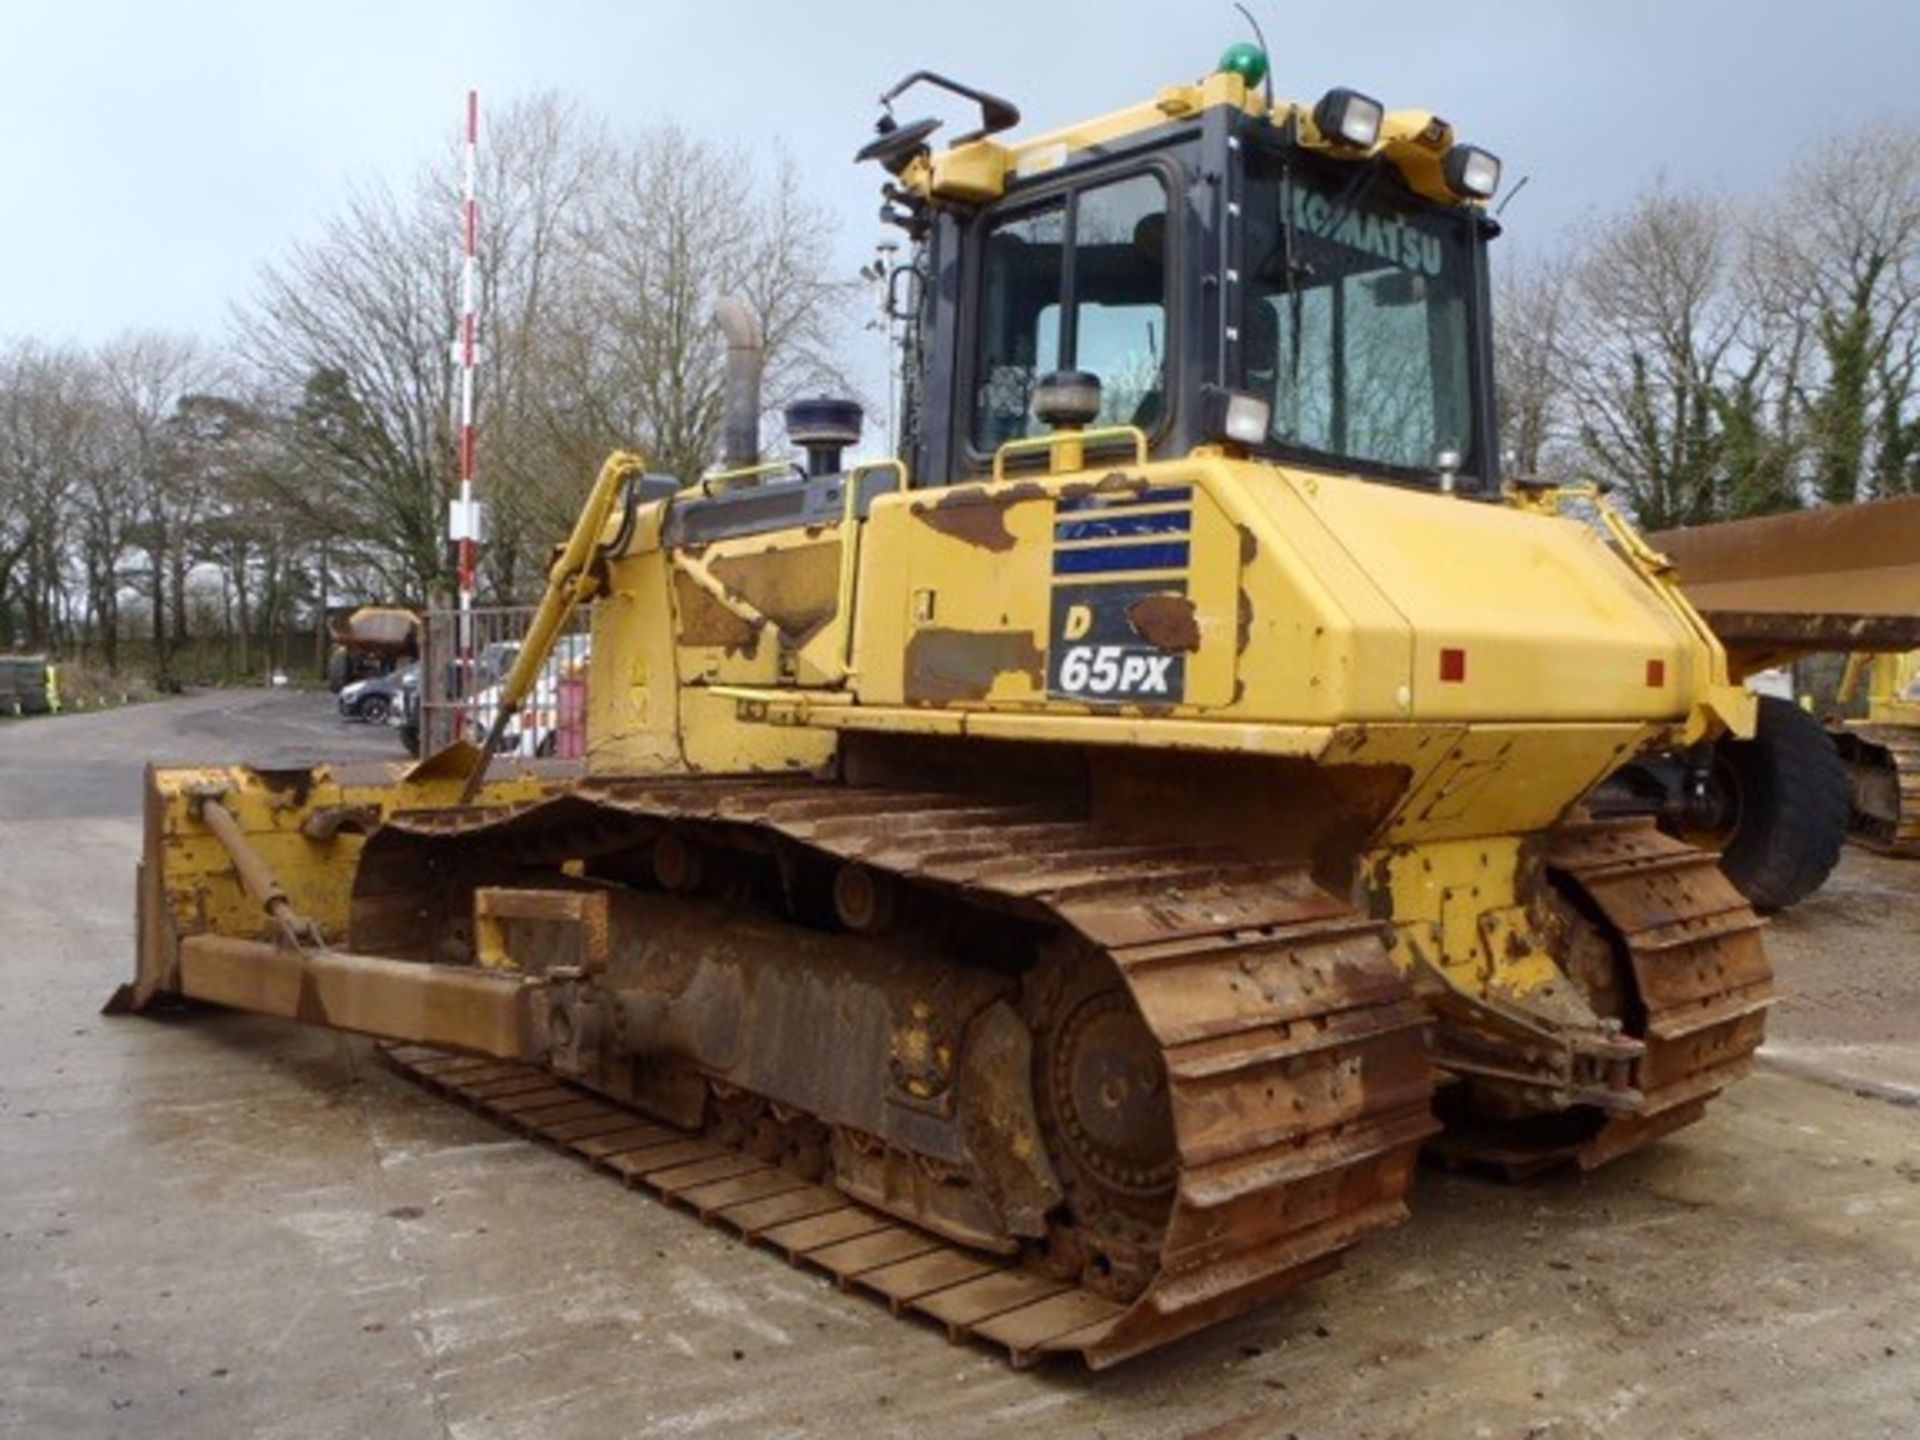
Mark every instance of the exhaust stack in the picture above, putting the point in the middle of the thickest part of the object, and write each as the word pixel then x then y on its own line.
pixel 746 359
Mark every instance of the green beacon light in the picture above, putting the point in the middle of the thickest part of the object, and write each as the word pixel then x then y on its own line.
pixel 1245 59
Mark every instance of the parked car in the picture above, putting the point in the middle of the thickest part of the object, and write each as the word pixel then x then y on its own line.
pixel 407 715
pixel 375 699
pixel 535 729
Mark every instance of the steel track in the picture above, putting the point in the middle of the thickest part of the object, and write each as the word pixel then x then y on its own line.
pixel 1895 748
pixel 1294 1052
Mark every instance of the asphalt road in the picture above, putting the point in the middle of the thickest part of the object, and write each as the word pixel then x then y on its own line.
pixel 218 1225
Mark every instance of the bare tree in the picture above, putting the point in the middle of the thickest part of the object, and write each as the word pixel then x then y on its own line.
pixel 1531 362
pixel 600 262
pixel 1838 250
pixel 144 376
pixel 42 443
pixel 104 495
pixel 356 327
pixel 680 223
pixel 1651 341
pixel 539 172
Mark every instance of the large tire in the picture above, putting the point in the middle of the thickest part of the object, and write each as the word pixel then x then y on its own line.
pixel 1790 805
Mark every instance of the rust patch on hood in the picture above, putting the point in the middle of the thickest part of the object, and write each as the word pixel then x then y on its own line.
pixel 944 666
pixel 1167 622
pixel 705 621
pixel 796 587
pixel 976 517
pixel 1113 483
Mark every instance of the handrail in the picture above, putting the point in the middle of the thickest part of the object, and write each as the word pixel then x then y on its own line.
pixel 1082 438
pixel 727 478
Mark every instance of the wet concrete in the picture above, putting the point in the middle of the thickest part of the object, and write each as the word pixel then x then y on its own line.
pixel 213 1225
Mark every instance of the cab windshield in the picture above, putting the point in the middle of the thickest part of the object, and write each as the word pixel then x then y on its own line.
pixel 1356 323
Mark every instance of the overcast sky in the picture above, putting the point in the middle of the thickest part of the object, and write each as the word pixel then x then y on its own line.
pixel 156 153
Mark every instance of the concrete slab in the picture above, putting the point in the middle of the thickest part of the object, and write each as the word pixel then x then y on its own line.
pixel 215 1225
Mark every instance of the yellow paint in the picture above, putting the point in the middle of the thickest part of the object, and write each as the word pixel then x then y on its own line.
pixel 490 943
pixel 1416 142
pixel 1891 684
pixel 1322 606
pixel 1456 910
pixel 203 893
pixel 1458 674
pixel 971 174
pixel 1066 449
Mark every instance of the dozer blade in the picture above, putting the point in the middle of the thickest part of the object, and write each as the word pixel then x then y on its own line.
pixel 242 897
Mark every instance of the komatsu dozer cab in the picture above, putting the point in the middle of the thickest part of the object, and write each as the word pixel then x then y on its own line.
pixel 1057 878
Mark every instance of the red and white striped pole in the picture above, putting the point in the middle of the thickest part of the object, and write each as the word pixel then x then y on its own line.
pixel 466 530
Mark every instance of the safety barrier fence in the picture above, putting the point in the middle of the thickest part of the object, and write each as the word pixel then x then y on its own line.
pixel 460 686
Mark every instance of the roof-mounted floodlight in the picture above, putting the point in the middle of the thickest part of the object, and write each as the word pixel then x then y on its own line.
pixel 1349 119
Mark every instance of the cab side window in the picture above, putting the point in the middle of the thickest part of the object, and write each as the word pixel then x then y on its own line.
pixel 1077 283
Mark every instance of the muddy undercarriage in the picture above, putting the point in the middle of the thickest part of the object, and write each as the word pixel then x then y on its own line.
pixel 1163 1083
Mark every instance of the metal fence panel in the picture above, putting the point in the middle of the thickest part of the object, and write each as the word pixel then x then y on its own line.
pixel 459 697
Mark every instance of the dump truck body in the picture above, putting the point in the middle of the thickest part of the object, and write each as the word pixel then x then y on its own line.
pixel 1844 579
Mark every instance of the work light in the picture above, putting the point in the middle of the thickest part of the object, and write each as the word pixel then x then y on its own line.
pixel 1472 172
pixel 1346 117
pixel 1237 416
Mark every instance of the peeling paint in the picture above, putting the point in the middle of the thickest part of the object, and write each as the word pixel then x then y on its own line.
pixel 943 666
pixel 797 587
pixel 1113 483
pixel 974 516
pixel 703 620
pixel 1168 622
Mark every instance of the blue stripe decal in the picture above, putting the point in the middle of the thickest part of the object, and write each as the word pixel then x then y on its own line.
pixel 1166 556
pixel 1109 527
pixel 1166 495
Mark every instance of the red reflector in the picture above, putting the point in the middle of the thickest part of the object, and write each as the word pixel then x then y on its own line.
pixel 1453 665
pixel 1656 673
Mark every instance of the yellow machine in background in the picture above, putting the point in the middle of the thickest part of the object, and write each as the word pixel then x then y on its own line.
pixel 1775 588
pixel 1059 878
pixel 1882 751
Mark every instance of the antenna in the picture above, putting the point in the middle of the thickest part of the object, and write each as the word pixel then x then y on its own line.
pixel 1266 83
pixel 1501 208
pixel 464 526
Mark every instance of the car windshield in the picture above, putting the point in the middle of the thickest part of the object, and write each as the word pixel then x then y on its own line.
pixel 1356 323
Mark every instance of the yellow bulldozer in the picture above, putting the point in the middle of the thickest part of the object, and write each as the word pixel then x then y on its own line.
pixel 1058 879
pixel 1882 750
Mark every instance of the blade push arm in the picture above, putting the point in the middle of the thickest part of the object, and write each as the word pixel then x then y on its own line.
pixel 572 581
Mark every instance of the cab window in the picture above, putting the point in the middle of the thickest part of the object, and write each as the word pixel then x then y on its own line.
pixel 1077 283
